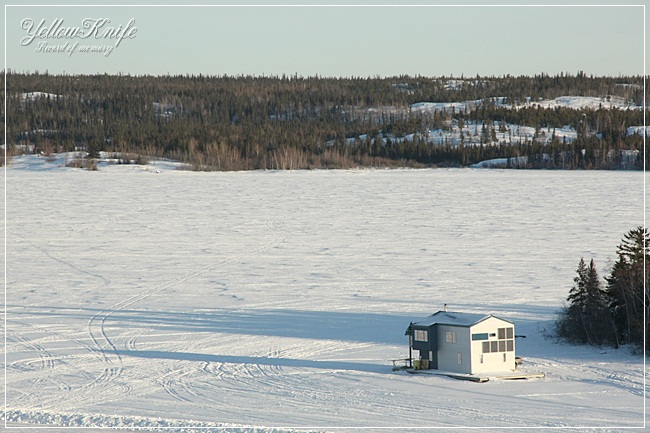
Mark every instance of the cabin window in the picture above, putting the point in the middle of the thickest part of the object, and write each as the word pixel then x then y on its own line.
pixel 421 335
pixel 479 336
pixel 505 343
pixel 450 337
pixel 498 346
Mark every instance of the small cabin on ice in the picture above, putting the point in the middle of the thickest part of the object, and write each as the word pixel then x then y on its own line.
pixel 463 343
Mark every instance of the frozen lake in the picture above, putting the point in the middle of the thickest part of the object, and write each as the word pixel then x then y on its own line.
pixel 279 298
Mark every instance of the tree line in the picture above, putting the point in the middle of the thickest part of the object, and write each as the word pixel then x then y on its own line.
pixel 611 313
pixel 292 122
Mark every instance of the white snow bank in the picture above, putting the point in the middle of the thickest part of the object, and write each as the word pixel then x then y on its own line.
pixel 638 130
pixel 513 162
pixel 583 102
pixel 108 161
pixel 574 102
pixel 17 418
pixel 33 96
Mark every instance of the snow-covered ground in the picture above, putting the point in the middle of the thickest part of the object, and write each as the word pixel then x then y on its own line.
pixel 33 96
pixel 573 102
pixel 505 133
pixel 153 297
pixel 638 130
pixel 471 132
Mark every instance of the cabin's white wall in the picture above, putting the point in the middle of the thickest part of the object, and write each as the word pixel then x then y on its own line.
pixel 491 362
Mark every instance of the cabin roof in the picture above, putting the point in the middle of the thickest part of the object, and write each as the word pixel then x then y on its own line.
pixel 455 319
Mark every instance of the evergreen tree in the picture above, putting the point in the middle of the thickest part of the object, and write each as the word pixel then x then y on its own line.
pixel 627 294
pixel 618 313
pixel 586 319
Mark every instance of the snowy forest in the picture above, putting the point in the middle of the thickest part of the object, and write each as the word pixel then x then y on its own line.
pixel 293 122
pixel 611 313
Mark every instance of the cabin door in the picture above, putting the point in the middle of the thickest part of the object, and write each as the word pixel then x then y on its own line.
pixel 433 359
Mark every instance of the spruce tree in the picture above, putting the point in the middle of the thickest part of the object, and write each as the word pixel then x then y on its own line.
pixel 627 294
pixel 586 319
pixel 577 294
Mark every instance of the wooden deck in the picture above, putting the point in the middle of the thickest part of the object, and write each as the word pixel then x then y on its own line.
pixel 515 375
pixel 521 376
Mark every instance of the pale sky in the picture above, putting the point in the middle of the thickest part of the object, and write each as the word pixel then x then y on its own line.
pixel 431 40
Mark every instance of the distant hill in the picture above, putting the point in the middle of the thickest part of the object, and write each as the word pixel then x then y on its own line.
pixel 291 122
